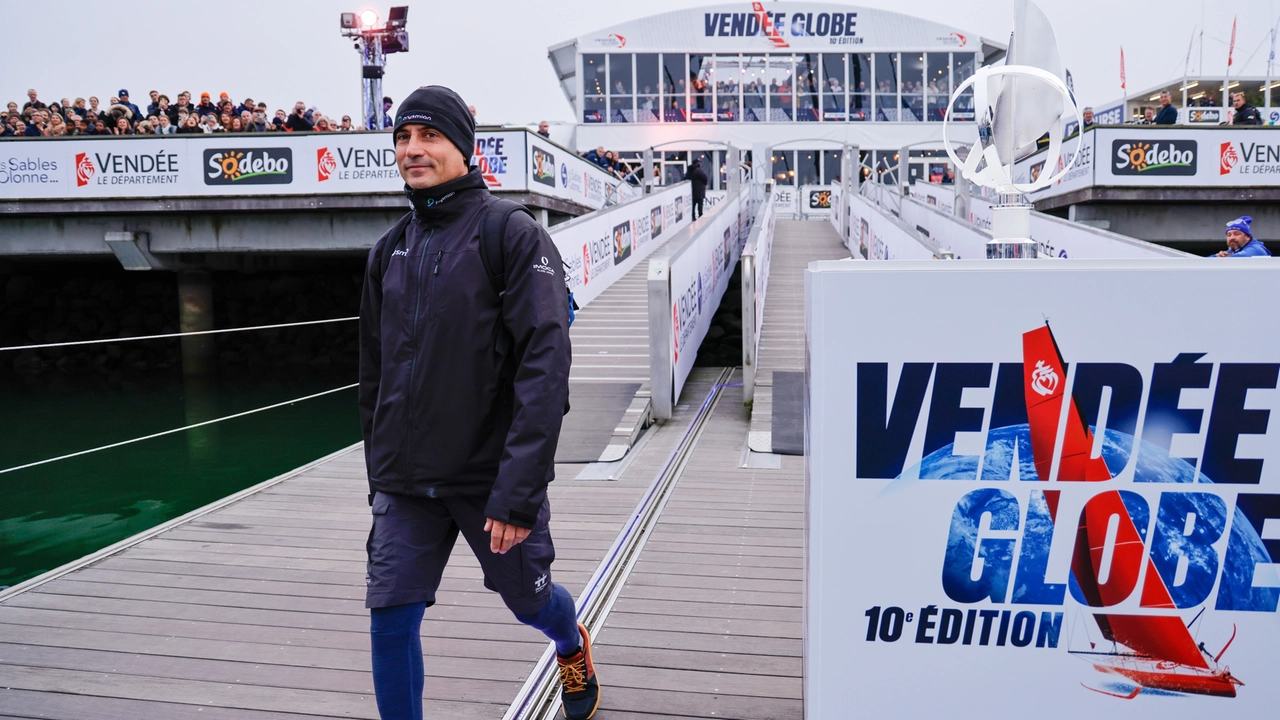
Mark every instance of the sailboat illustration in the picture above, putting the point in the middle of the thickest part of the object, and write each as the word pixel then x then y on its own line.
pixel 1150 651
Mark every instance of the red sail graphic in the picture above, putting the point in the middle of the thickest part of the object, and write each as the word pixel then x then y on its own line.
pixel 1161 638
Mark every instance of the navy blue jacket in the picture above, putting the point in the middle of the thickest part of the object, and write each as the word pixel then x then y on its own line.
pixel 1167 115
pixel 443 412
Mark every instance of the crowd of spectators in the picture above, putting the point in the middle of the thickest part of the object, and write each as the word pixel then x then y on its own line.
pixel 612 164
pixel 121 116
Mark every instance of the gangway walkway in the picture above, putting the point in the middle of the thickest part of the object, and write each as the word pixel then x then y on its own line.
pixel 796 243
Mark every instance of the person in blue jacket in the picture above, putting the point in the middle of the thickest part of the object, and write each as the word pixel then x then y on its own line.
pixel 1240 240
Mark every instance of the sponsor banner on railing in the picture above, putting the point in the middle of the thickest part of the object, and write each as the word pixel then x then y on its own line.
pixel 603 246
pixel 762 250
pixel 1077 515
pixel 560 173
pixel 1160 156
pixel 786 200
pixel 1055 237
pixel 699 276
pixel 254 164
pixel 815 201
pixel 874 235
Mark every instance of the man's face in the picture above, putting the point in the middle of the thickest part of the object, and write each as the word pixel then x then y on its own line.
pixel 1164 99
pixel 1150 114
pixel 164 121
pixel 299 108
pixel 543 127
pixel 155 96
pixel 280 114
pixel 346 123
pixel 427 158
pixel 31 95
pixel 1238 101
pixel 1088 116
pixel 184 98
pixel 124 97
pixel 1236 240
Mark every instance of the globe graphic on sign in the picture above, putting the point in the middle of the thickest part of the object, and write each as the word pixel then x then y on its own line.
pixel 1012 443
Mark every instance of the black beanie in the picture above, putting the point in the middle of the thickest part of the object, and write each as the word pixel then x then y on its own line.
pixel 441 108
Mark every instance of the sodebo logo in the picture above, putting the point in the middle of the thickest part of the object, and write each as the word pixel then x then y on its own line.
pixel 259 166
pixel 1140 157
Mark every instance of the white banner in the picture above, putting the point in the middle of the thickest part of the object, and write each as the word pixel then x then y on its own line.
pixel 255 164
pixel 1165 156
pixel 786 200
pixel 1065 520
pixel 699 276
pixel 874 235
pixel 601 247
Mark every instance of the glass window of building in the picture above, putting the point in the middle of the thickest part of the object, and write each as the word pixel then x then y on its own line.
pixel 808 167
pixel 784 167
pixel 961 70
pixel 781 77
pixel 808 76
pixel 831 166
pixel 648 82
pixel 728 77
pixel 860 84
pixel 938 88
pixel 754 85
pixel 594 88
pixel 674 165
pixel 886 69
pixel 621 96
pixel 912 87
pixel 834 80
pixel 675 88
pixel 701 95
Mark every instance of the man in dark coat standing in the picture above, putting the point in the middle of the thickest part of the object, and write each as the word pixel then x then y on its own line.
pixel 1246 113
pixel 697 177
pixel 463 387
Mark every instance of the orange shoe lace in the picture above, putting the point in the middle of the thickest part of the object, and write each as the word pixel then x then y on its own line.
pixel 573 675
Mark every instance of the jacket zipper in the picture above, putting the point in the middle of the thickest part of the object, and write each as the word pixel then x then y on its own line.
pixel 413 357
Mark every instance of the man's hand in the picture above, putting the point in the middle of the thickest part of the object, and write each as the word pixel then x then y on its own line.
pixel 502 536
pixel 1224 253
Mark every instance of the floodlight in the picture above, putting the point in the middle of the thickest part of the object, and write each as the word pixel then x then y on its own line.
pixel 398 16
pixel 368 18
pixel 349 21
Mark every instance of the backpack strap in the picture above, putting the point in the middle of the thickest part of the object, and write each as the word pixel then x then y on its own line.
pixel 493 230
pixel 394 237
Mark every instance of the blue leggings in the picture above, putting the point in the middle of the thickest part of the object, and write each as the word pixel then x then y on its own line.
pixel 396 633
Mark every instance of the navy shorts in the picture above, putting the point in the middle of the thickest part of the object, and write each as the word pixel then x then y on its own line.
pixel 412 537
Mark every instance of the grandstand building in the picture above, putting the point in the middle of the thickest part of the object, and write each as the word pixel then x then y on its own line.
pixel 803 78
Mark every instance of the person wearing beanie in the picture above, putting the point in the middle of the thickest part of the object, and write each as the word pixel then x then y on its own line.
pixel 464 367
pixel 1240 240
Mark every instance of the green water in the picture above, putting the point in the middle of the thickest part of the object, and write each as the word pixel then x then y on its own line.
pixel 58 512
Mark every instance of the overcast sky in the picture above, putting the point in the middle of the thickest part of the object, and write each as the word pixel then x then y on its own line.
pixel 494 52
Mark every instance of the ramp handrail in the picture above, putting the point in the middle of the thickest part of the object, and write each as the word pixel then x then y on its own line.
pixel 755 278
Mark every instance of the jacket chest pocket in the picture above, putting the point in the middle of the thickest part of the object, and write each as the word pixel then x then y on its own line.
pixel 452 284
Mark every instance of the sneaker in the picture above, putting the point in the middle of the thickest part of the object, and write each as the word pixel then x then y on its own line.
pixel 579 691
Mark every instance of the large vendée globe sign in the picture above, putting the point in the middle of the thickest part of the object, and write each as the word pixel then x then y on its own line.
pixel 1068 507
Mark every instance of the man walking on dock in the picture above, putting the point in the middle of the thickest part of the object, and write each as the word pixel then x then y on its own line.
pixel 464 366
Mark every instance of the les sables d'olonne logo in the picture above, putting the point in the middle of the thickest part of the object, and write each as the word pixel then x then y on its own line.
pixel 1145 157
pixel 257 166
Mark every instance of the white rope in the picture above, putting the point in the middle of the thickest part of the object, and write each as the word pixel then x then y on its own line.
pixel 173 335
pixel 177 430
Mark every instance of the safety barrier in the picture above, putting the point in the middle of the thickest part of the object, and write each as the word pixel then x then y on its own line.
pixel 755 283
pixel 601 247
pixel 264 164
pixel 875 233
pixel 970 464
pixel 687 278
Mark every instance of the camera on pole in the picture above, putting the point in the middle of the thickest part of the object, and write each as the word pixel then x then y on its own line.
pixel 374 43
